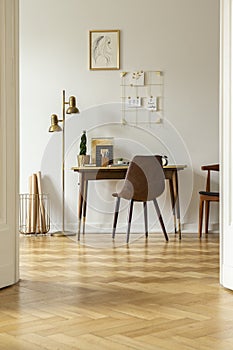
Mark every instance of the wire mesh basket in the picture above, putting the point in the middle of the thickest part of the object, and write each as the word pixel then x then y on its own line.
pixel 34 213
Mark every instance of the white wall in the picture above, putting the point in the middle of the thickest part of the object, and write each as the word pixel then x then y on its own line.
pixel 180 37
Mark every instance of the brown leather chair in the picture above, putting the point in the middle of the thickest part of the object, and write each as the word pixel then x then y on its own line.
pixel 206 197
pixel 144 182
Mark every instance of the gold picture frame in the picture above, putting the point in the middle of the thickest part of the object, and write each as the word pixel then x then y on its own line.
pixel 100 141
pixel 104 49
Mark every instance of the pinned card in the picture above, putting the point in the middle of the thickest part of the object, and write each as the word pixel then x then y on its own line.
pixel 134 102
pixel 137 78
pixel 151 104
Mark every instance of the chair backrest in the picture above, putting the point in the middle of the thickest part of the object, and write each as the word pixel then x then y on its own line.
pixel 144 179
pixel 209 168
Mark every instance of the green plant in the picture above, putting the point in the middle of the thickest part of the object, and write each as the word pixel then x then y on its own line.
pixel 83 144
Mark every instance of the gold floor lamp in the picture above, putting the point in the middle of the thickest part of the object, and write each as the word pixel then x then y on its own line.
pixel 72 109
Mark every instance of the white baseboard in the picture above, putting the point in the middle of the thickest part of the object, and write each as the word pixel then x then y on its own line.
pixel 193 228
pixel 227 276
pixel 135 228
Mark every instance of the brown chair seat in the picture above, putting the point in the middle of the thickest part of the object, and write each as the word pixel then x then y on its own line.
pixel 209 193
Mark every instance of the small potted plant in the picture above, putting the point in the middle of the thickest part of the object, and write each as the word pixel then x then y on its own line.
pixel 120 161
pixel 83 158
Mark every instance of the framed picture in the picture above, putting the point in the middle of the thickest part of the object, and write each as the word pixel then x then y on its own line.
pixel 102 141
pixel 104 46
pixel 104 155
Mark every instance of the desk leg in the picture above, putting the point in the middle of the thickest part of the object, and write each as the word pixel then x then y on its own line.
pixel 176 197
pixel 80 203
pixel 173 203
pixel 85 187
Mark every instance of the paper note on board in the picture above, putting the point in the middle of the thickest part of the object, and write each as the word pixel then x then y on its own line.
pixel 134 102
pixel 137 78
pixel 151 104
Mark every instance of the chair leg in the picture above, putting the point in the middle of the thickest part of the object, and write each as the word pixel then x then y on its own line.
pixel 200 218
pixel 207 210
pixel 173 204
pixel 160 219
pixel 129 219
pixel 145 218
pixel 115 217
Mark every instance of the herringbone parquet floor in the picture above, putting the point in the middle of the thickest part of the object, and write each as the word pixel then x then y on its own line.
pixel 147 296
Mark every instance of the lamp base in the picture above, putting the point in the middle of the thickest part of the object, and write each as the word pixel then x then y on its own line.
pixel 63 233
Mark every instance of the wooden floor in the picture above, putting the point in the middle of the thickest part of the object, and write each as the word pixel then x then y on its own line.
pixel 97 295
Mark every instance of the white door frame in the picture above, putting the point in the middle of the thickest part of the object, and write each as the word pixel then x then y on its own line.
pixel 9 142
pixel 226 144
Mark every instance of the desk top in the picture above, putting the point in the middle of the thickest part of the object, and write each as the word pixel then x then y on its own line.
pixel 89 168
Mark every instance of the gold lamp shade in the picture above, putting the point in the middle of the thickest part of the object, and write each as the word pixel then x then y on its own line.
pixel 72 106
pixel 54 124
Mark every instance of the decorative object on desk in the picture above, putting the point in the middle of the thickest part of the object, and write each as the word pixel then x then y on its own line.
pixel 83 144
pixel 106 141
pixel 83 158
pixel 164 160
pixel 104 49
pixel 120 161
pixel 72 109
pixel 104 155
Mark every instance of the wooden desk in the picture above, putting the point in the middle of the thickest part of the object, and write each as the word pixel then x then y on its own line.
pixel 118 172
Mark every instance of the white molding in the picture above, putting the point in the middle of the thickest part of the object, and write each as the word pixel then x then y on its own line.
pixel 227 276
pixel 226 144
pixel 136 228
pixel 3 113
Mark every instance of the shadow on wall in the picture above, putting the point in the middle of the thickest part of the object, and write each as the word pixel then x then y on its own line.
pixel 55 198
pixel 129 140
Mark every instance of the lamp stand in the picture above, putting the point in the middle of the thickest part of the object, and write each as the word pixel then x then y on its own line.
pixel 63 160
pixel 70 110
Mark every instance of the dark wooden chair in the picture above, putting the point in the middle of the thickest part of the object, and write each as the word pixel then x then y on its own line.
pixel 206 197
pixel 144 182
